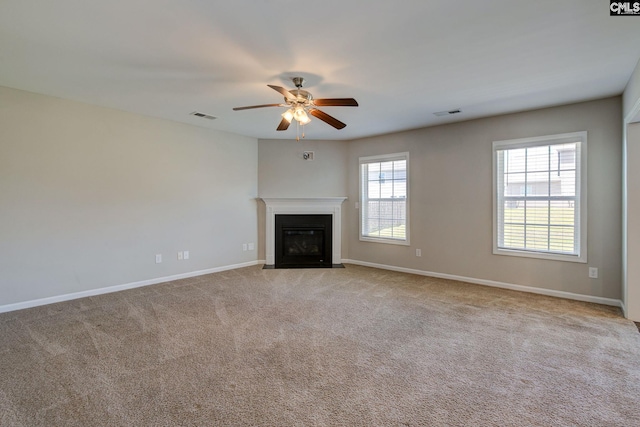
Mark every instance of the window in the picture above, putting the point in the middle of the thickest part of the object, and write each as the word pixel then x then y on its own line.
pixel 384 198
pixel 540 197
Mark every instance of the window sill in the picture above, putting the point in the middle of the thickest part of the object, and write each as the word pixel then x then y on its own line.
pixel 540 255
pixel 387 241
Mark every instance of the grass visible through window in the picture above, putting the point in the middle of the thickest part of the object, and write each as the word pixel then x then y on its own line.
pixel 398 232
pixel 546 229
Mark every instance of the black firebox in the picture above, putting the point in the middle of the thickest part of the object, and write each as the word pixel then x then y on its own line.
pixel 303 241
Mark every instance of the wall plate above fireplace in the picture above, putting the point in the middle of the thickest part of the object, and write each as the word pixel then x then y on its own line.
pixel 307 155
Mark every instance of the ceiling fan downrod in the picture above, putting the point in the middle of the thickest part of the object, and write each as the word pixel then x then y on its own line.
pixel 298 81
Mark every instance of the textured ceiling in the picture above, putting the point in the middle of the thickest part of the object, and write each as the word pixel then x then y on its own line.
pixel 402 60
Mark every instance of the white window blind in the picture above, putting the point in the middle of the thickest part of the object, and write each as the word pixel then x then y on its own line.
pixel 384 198
pixel 538 203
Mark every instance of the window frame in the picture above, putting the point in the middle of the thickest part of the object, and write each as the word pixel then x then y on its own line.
pixel 580 138
pixel 362 203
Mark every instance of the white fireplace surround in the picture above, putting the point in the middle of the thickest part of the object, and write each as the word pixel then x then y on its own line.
pixel 310 206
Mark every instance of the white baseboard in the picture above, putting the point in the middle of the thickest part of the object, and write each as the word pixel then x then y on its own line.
pixel 513 287
pixel 116 288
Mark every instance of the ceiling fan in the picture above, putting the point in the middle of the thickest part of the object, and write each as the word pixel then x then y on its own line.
pixel 301 103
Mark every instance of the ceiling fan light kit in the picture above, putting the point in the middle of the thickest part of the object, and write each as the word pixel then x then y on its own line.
pixel 301 104
pixel 288 115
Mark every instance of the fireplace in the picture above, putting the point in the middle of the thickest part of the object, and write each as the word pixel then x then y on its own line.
pixel 329 207
pixel 303 241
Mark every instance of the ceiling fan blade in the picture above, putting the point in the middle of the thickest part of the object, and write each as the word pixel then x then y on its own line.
pixel 258 106
pixel 326 118
pixel 288 95
pixel 336 102
pixel 284 124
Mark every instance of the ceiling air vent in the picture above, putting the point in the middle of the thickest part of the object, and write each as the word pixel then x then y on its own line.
pixel 447 113
pixel 203 115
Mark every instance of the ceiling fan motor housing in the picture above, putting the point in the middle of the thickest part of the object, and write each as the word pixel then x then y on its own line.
pixel 302 97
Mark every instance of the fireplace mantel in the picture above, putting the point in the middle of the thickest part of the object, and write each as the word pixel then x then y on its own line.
pixel 304 205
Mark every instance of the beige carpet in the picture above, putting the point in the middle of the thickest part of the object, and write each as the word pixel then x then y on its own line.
pixel 322 347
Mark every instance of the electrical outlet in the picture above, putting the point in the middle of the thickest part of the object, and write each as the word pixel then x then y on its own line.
pixel 593 272
pixel 418 252
pixel 158 258
pixel 244 246
pixel 180 255
pixel 251 246
pixel 185 255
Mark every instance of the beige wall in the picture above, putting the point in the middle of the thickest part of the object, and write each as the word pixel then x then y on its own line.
pixel 451 199
pixel 631 95
pixel 633 222
pixel 631 197
pixel 283 172
pixel 89 195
